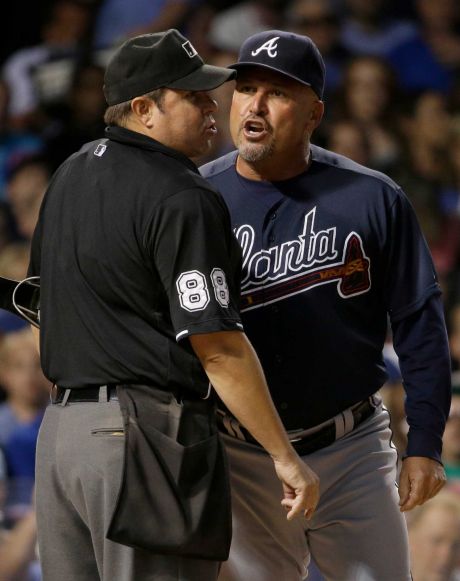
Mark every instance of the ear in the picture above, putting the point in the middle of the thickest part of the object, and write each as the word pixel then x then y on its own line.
pixel 316 114
pixel 143 110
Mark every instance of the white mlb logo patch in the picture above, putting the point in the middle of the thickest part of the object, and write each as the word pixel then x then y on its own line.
pixel 189 49
pixel 100 149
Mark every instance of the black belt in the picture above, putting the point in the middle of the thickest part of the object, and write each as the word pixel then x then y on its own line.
pixel 81 394
pixel 310 443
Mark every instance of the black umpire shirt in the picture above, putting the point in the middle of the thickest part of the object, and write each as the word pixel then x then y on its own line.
pixel 135 252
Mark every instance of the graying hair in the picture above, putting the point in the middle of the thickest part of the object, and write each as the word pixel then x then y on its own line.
pixel 120 113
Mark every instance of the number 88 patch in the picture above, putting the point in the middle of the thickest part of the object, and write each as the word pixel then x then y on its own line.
pixel 193 290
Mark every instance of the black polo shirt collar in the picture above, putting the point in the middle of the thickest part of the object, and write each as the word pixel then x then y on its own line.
pixel 123 135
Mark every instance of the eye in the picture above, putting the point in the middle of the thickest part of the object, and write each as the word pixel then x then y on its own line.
pixel 278 93
pixel 245 89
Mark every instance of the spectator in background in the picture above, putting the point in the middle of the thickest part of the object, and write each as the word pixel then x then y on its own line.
pixel 14 260
pixel 320 21
pixel 431 58
pixel 20 416
pixel 434 538
pixel 17 544
pixel 22 379
pixel 3 489
pixel 117 20
pixel 82 116
pixel 17 551
pixel 424 171
pixel 15 144
pixel 367 96
pixel 350 139
pixel 450 195
pixel 67 26
pixel 7 227
pixel 367 30
pixel 231 27
pixel 25 190
pixel 451 439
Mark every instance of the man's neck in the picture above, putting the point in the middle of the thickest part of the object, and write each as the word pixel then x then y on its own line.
pixel 271 170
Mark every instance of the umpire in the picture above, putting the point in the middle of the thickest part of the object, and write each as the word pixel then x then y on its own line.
pixel 139 284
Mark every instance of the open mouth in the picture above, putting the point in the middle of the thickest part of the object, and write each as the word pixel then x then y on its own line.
pixel 254 129
pixel 211 128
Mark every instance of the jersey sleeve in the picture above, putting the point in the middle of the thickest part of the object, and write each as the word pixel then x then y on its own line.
pixel 421 343
pixel 198 262
pixel 410 275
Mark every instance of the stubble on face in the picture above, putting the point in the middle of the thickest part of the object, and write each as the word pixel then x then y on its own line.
pixel 254 152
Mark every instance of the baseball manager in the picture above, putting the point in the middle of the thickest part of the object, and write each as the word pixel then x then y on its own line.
pixel 330 250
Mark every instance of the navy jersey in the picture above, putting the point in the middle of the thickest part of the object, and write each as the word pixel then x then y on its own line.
pixel 327 256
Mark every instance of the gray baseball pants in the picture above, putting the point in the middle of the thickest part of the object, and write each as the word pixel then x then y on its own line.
pixel 80 455
pixel 357 532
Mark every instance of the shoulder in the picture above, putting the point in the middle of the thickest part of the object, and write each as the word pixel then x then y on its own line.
pixel 219 165
pixel 343 172
pixel 344 164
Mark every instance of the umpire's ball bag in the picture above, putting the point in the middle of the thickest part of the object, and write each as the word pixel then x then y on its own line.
pixel 174 496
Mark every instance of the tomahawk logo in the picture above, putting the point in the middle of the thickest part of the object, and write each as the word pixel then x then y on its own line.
pixel 298 265
pixel 189 49
pixel 270 46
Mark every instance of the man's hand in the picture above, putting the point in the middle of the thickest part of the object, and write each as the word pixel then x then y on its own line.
pixel 420 479
pixel 300 486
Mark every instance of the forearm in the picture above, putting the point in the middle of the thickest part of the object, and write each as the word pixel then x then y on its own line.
pixel 237 377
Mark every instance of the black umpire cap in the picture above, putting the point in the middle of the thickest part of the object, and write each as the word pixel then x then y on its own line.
pixel 293 55
pixel 161 59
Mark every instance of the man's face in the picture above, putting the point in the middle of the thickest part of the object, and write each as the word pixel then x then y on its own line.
pixel 272 116
pixel 435 544
pixel 185 121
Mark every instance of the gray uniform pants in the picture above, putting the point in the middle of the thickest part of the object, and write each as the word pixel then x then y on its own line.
pixel 357 532
pixel 80 454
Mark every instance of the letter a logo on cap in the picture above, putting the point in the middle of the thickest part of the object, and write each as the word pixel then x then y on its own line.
pixel 189 49
pixel 270 46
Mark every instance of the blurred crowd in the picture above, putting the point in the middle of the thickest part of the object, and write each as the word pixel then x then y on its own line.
pixel 392 103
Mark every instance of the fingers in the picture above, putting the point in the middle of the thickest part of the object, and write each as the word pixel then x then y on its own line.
pixel 421 479
pixel 300 487
pixel 415 495
pixel 302 501
pixel 294 508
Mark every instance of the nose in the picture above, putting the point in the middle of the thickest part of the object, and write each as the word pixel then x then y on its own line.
pixel 258 104
pixel 209 104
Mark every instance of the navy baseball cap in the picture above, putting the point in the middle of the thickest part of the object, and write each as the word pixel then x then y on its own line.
pixel 161 59
pixel 293 55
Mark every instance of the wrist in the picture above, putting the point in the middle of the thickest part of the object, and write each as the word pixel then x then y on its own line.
pixel 284 456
